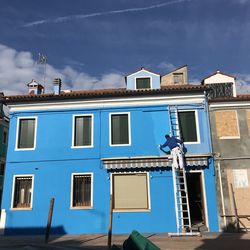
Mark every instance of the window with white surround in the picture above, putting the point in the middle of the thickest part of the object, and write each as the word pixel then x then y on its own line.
pixel 82 190
pixel 26 133
pixel 143 83
pixel 189 127
pixel 131 191
pixel 22 192
pixel 119 129
pixel 82 131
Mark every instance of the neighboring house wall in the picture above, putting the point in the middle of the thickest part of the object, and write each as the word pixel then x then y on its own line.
pixel 178 76
pixel 231 139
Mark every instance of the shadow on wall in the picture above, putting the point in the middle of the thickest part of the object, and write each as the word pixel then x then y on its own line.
pixel 34 231
pixel 228 241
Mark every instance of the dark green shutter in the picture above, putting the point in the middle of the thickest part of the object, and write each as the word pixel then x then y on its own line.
pixel 188 126
pixel 119 129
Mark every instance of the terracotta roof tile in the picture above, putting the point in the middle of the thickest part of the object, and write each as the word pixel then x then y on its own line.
pixel 84 94
pixel 243 97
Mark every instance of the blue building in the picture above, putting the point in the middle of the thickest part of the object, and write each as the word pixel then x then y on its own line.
pixel 80 147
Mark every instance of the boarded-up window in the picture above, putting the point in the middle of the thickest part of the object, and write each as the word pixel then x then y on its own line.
pixel 240 178
pixel 226 124
pixel 130 191
pixel 248 119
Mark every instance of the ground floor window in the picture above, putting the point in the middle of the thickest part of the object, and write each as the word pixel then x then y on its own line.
pixel 131 191
pixel 22 195
pixel 82 190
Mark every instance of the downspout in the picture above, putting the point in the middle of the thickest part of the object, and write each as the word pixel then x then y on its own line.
pixel 221 194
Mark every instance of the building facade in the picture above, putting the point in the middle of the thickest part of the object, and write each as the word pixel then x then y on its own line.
pixel 80 147
pixel 4 127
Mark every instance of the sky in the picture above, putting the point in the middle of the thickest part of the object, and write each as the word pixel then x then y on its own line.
pixel 94 44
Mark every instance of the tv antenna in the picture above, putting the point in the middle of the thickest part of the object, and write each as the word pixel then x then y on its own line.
pixel 42 59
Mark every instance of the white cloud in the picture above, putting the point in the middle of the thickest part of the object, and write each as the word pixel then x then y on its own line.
pixel 167 66
pixel 242 83
pixel 19 68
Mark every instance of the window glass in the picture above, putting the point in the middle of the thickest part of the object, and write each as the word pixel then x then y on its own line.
pixel 130 191
pixel 22 192
pixel 188 126
pixel 143 83
pixel 82 136
pixel 82 190
pixel 26 133
pixel 226 124
pixel 119 129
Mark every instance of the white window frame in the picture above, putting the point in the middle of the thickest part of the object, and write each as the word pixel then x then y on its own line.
pixel 138 77
pixel 13 191
pixel 129 130
pixel 92 191
pixel 237 125
pixel 92 130
pixel 196 124
pixel 17 132
pixel 148 192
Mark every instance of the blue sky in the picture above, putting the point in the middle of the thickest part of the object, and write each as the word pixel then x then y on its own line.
pixel 95 43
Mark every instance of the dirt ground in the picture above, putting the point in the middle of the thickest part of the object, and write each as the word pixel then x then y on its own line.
pixel 91 242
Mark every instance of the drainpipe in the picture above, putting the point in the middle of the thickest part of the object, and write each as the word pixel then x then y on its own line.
pixel 221 194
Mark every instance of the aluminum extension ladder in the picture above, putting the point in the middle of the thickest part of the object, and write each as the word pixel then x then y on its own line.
pixel 182 209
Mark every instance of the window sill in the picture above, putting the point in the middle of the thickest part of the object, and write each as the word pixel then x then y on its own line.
pixel 81 208
pixel 190 143
pixel 77 147
pixel 229 137
pixel 21 209
pixel 131 210
pixel 24 149
pixel 120 145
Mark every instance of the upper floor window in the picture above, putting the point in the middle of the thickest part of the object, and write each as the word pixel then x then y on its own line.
pixel 227 126
pixel 22 192
pixel 82 131
pixel 188 126
pixel 82 190
pixel 120 129
pixel 178 78
pixel 26 133
pixel 143 83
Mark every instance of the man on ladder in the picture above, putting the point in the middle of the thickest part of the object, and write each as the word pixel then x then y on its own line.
pixel 175 146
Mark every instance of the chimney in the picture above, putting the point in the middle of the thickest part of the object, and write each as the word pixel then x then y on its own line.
pixel 35 88
pixel 57 86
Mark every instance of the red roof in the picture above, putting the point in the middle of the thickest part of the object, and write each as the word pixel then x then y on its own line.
pixel 244 97
pixel 84 94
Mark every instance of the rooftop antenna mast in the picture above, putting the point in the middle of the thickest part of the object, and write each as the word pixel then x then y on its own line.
pixel 42 59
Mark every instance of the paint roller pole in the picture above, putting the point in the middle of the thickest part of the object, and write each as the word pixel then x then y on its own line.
pixel 110 222
pixel 52 200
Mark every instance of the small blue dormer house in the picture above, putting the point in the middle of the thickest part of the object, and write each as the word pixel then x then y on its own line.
pixel 143 79
pixel 80 147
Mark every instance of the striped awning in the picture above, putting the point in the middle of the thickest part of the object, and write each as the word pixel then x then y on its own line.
pixel 157 162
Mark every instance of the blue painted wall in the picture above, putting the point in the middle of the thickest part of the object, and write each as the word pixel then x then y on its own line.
pixel 53 161
pixel 155 79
